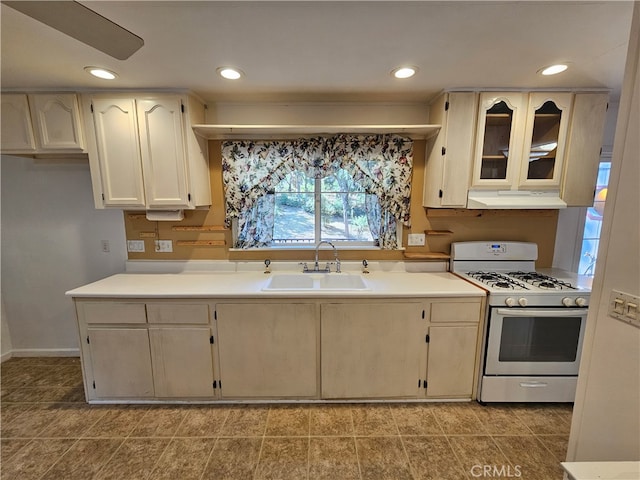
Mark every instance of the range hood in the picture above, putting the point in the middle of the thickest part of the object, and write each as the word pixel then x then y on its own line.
pixel 514 199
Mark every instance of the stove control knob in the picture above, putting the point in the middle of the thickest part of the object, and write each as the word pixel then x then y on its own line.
pixel 581 302
pixel 510 302
pixel 523 302
pixel 567 302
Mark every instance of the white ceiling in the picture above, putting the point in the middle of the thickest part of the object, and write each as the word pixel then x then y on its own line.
pixel 330 51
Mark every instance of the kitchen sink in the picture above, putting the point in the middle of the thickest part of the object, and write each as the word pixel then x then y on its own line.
pixel 310 281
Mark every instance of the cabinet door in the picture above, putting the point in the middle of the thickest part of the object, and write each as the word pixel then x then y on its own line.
pixel 163 151
pixel 118 151
pixel 371 350
pixel 56 119
pixel 182 361
pixel 121 362
pixel 545 134
pixel 499 139
pixel 451 361
pixel 17 132
pixel 268 350
pixel 582 157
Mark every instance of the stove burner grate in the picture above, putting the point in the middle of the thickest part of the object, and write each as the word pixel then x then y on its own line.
pixel 497 280
pixel 541 280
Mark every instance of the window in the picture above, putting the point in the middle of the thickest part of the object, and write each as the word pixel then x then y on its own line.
pixel 333 208
pixel 593 223
pixel 349 189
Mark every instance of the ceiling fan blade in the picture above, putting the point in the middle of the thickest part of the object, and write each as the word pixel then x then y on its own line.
pixel 82 23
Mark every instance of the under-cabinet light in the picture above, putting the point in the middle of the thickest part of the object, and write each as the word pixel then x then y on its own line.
pixel 101 73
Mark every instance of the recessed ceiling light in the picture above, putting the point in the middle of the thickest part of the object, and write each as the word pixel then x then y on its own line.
pixel 229 73
pixel 554 69
pixel 101 73
pixel 404 72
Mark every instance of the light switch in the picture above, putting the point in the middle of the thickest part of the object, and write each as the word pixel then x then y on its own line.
pixel 618 305
pixel 624 307
pixel 135 246
pixel 632 310
pixel 416 239
pixel 164 246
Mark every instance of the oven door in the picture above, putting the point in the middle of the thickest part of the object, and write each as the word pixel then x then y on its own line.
pixel 535 341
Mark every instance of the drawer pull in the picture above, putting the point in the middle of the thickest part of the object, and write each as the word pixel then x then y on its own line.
pixel 533 384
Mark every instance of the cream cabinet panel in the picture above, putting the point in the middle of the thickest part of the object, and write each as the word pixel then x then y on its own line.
pixel 451 361
pixel 450 153
pixel 162 150
pixel 182 361
pixel 455 311
pixel 499 139
pixel 268 350
pixel 116 134
pixel 545 133
pixel 121 363
pixel 56 119
pixel 372 350
pixel 582 157
pixel 178 313
pixel 17 131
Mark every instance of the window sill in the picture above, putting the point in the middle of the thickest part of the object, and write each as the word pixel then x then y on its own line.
pixel 311 248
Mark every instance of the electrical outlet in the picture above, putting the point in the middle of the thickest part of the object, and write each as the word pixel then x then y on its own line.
pixel 135 246
pixel 416 239
pixel 105 246
pixel 164 246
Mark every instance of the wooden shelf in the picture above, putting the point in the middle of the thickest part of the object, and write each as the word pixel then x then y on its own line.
pixel 427 256
pixel 201 243
pixel 199 228
pixel 463 212
pixel 260 132
pixel 438 232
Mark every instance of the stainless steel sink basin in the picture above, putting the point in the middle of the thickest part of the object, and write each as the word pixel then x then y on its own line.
pixel 317 282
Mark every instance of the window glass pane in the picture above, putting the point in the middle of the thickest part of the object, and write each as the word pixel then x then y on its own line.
pixel 544 143
pixel 593 223
pixel 495 148
pixel 344 217
pixel 294 220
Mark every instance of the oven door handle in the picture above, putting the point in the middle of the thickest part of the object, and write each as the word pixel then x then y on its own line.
pixel 540 312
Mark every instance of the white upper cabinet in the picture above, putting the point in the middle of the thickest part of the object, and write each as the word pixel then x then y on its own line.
pixel 146 154
pixel 42 123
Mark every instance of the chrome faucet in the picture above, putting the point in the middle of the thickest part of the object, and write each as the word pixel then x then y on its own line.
pixel 316 266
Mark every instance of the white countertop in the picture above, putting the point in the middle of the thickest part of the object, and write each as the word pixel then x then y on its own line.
pixel 602 470
pixel 250 285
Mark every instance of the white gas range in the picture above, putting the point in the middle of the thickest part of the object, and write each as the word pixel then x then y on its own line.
pixel 535 324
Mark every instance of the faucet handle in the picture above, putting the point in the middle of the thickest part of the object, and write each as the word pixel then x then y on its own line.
pixel 365 264
pixel 305 268
pixel 267 262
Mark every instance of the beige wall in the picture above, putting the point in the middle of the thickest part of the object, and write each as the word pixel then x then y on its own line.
pixel 533 226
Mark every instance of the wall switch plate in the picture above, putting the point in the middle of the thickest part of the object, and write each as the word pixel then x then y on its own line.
pixel 415 239
pixel 135 246
pixel 105 246
pixel 164 246
pixel 625 307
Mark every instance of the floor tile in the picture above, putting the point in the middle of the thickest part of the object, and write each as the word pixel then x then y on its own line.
pixel 34 459
pixel 543 419
pixel 330 420
pixel 134 460
pixel 159 422
pixel 10 447
pixel 501 419
pixel 233 459
pixel 476 452
pixel 415 420
pixel 283 458
pixel 11 411
pixel 247 421
pixel 59 376
pixel 184 459
pixel 432 458
pixel 332 458
pixel 382 458
pixel 556 444
pixel 531 456
pixel 204 421
pixel 37 419
pixel 73 421
pixel 288 422
pixel 458 418
pixel 83 460
pixel 117 421
pixel 373 420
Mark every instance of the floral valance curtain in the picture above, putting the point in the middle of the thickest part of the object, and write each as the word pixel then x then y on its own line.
pixel 380 164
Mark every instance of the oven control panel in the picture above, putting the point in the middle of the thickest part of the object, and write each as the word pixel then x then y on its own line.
pixel 496 248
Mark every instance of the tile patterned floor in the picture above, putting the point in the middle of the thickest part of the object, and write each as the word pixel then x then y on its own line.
pixel 48 432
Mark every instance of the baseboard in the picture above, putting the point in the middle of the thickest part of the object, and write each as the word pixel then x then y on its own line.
pixel 44 352
pixel 5 356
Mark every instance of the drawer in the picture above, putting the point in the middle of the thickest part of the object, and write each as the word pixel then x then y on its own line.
pixel 177 313
pixel 113 312
pixel 455 312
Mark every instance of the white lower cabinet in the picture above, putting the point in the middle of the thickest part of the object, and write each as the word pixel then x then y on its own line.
pixel 372 350
pixel 268 350
pixel 120 363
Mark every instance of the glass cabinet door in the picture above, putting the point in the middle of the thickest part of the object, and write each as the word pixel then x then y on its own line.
pixel 499 141
pixel 545 133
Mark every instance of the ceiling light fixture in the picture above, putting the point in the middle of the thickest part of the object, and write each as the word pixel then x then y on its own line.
pixel 553 69
pixel 101 73
pixel 229 73
pixel 404 72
